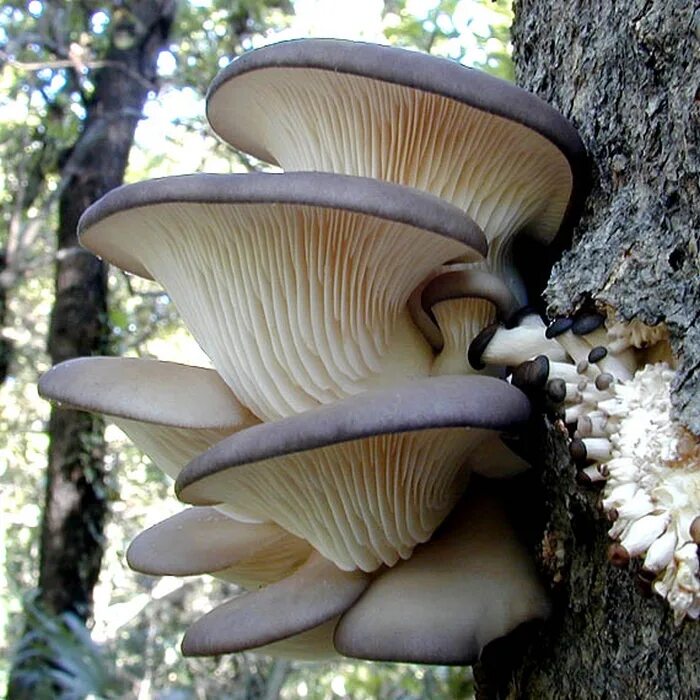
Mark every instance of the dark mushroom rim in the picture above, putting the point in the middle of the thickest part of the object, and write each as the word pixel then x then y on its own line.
pixel 422 404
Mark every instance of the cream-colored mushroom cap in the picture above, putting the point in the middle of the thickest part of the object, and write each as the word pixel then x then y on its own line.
pixel 472 583
pixel 172 412
pixel 316 593
pixel 502 154
pixel 365 479
pixel 206 541
pixel 295 285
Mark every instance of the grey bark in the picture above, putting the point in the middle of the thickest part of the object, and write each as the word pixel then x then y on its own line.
pixel 76 502
pixel 627 72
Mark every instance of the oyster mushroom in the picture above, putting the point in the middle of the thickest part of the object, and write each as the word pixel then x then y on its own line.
pixel 365 479
pixel 313 595
pixel 472 583
pixel 172 412
pixel 206 541
pixel 294 284
pixel 387 113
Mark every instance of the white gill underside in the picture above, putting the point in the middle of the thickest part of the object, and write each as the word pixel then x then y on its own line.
pixel 460 321
pixel 296 306
pixel 271 563
pixel 362 503
pixel 503 174
pixel 170 449
pixel 315 644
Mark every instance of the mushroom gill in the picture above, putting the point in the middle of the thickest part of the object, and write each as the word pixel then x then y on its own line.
pixel 472 583
pixel 382 112
pixel 365 479
pixel 296 284
pixel 171 412
pixel 207 541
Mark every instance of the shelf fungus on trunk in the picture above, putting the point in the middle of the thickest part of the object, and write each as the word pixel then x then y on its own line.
pixel 342 304
pixel 472 583
pixel 365 479
pixel 296 284
pixel 314 594
pixel 610 382
pixel 207 541
pixel 391 114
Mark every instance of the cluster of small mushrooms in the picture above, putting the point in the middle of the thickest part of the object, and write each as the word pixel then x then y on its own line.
pixel 363 313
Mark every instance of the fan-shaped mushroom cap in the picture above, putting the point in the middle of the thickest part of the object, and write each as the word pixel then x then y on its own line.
pixel 205 541
pixel 472 583
pixel 314 594
pixel 171 412
pixel 294 284
pixel 365 479
pixel 502 154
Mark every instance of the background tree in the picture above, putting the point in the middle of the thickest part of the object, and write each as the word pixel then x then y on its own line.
pixel 628 74
pixel 75 504
pixel 92 70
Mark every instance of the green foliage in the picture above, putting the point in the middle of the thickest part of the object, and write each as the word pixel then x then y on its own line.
pixel 474 32
pixel 56 658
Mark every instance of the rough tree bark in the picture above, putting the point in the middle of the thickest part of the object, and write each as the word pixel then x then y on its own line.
pixel 627 72
pixel 76 504
pixel 71 542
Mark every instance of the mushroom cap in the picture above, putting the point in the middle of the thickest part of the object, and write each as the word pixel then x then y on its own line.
pixel 463 281
pixel 206 541
pixel 314 594
pixel 393 114
pixel 472 583
pixel 151 391
pixel 363 480
pixel 294 284
pixel 171 412
pixel 454 306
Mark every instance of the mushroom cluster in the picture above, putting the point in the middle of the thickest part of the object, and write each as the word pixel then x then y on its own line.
pixel 610 383
pixel 342 458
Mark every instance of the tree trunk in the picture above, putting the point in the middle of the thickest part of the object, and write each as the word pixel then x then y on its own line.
pixel 5 344
pixel 76 505
pixel 76 502
pixel 627 72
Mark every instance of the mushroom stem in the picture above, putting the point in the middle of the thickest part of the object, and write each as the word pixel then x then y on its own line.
pixel 512 346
